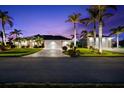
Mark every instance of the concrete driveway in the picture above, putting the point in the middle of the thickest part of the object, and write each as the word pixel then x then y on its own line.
pixel 62 70
pixel 48 53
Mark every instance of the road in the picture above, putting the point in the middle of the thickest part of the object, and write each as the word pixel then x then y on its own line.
pixel 62 70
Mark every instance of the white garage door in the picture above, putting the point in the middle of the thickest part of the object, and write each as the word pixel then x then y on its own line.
pixel 53 44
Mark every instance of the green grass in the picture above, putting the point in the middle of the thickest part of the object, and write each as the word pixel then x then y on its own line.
pixel 18 52
pixel 88 52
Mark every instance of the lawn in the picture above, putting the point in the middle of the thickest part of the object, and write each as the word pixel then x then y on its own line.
pixel 89 52
pixel 18 52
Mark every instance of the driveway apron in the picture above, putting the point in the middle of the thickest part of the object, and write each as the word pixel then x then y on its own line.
pixel 48 53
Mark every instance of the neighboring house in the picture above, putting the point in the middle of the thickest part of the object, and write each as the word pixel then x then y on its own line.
pixel 49 41
pixel 106 41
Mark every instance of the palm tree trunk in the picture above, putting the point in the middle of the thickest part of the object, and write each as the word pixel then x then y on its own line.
pixel 3 33
pixel 117 39
pixel 16 36
pixel 87 42
pixel 94 33
pixel 75 35
pixel 2 38
pixel 100 30
pixel 100 37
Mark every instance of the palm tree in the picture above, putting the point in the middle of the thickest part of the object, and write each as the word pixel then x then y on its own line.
pixel 16 32
pixel 75 19
pixel 85 34
pixel 1 35
pixel 117 31
pixel 18 39
pixel 102 13
pixel 28 41
pixel 93 17
pixel 38 39
pixel 5 18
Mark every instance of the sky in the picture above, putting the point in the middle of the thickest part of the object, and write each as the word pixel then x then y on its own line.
pixel 50 19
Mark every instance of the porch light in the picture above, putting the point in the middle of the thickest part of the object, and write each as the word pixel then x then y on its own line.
pixel 65 43
pixel 91 39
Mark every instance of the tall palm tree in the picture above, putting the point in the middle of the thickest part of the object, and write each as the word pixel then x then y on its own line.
pixel 75 19
pixel 117 31
pixel 92 19
pixel 5 19
pixel 102 13
pixel 1 35
pixel 16 32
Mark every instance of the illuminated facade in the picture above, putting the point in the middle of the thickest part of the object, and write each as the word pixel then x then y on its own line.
pixel 106 42
pixel 48 42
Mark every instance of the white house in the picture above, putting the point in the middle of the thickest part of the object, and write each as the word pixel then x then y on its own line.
pixel 106 42
pixel 55 42
pixel 49 42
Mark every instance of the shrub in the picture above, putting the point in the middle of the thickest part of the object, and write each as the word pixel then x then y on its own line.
pixel 77 53
pixel 39 46
pixel 91 47
pixel 23 47
pixel 64 48
pixel 28 46
pixel 13 46
pixel 74 53
pixel 35 46
pixel 70 51
pixel 72 45
pixel 2 48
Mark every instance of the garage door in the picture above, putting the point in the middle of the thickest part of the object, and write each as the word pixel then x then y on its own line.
pixel 55 44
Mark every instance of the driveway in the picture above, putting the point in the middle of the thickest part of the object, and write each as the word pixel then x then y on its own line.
pixel 48 53
pixel 62 70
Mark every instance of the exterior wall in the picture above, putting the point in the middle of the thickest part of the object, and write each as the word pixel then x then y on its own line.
pixel 107 42
pixel 55 44
pixel 30 43
pixel 49 44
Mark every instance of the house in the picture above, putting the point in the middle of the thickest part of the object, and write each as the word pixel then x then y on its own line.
pixel 55 42
pixel 48 42
pixel 89 41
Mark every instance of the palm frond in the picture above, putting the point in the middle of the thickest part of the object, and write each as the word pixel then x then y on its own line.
pixel 112 7
pixel 117 30
pixel 85 20
pixel 10 23
pixel 74 18
pixel 107 15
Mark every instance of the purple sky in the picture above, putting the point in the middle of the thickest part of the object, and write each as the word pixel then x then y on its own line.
pixel 51 19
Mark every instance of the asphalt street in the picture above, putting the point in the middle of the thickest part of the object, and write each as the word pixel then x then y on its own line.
pixel 62 70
